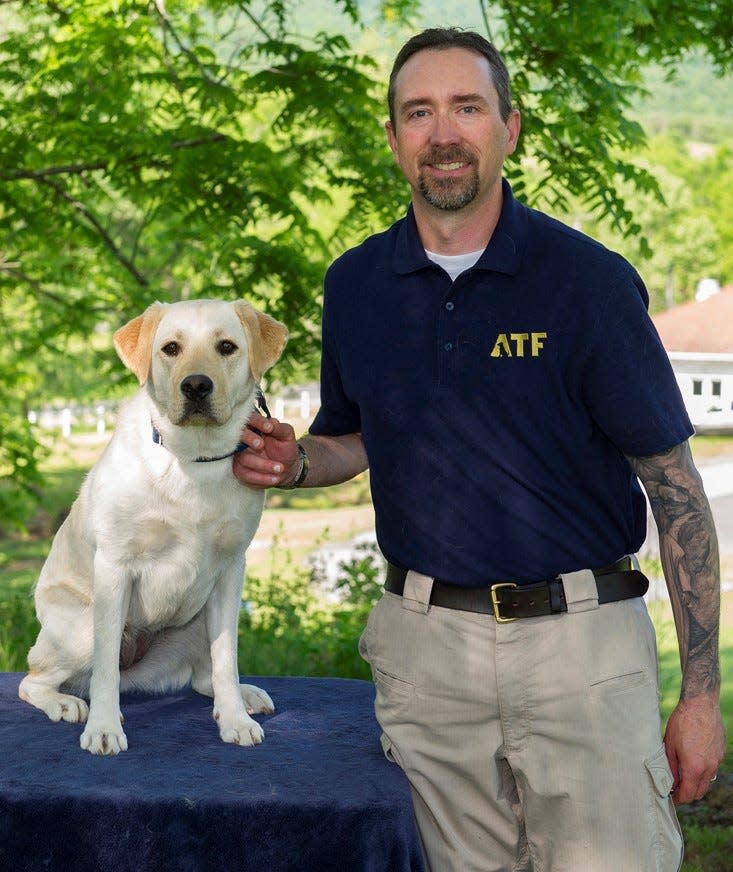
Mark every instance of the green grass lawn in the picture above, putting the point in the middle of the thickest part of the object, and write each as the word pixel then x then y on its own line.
pixel 669 668
pixel 708 825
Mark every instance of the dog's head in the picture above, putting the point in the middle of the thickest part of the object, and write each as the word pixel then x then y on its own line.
pixel 200 357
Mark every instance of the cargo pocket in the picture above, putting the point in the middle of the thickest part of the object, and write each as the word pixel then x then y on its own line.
pixel 668 844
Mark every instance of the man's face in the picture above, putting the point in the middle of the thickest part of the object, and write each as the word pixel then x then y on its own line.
pixel 449 138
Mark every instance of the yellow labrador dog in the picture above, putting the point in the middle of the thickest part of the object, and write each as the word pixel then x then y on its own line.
pixel 142 587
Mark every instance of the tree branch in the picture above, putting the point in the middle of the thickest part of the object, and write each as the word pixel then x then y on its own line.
pixel 485 16
pixel 257 23
pixel 13 269
pixel 106 238
pixel 168 26
pixel 93 166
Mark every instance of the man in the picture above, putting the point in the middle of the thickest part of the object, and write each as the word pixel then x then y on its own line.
pixel 499 375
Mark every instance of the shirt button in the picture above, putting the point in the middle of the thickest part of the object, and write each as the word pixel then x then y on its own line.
pixel 449 306
pixel 448 346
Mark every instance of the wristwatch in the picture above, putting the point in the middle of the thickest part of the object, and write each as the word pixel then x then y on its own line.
pixel 302 472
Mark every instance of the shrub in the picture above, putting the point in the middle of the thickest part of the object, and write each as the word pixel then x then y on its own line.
pixel 18 631
pixel 288 628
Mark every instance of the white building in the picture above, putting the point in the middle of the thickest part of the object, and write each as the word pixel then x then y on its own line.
pixel 698 337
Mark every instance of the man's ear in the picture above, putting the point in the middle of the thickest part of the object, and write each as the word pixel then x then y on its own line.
pixel 134 341
pixel 514 127
pixel 391 139
pixel 266 337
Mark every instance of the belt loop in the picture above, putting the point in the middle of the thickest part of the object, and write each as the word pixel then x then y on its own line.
pixel 416 595
pixel 581 592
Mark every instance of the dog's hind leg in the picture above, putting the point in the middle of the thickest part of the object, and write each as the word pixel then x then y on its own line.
pixel 62 654
pixel 256 700
pixel 41 686
pixel 58 706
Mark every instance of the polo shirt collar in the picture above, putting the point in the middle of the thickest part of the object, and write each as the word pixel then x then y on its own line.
pixel 503 253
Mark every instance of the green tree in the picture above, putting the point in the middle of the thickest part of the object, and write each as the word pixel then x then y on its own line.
pixel 708 179
pixel 578 68
pixel 684 242
pixel 151 151
pixel 172 148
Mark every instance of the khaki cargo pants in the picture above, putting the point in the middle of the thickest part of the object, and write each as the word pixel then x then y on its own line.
pixel 532 745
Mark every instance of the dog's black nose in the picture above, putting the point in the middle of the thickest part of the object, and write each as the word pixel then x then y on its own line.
pixel 196 387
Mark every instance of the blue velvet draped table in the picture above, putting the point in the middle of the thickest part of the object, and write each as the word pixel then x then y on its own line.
pixel 317 795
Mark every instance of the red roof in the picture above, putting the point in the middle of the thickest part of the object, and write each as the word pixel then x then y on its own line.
pixel 706 326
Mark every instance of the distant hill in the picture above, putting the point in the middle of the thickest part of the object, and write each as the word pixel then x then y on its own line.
pixel 696 104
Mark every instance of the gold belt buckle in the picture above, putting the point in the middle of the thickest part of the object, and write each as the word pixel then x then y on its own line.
pixel 496 602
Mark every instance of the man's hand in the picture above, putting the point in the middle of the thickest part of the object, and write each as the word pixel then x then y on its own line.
pixel 695 743
pixel 271 458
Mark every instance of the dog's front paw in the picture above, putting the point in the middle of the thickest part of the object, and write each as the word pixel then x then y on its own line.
pixel 239 729
pixel 256 700
pixel 102 738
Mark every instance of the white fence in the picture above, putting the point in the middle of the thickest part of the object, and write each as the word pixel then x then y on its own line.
pixel 296 404
pixel 66 419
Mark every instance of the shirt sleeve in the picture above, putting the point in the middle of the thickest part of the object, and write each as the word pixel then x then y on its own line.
pixel 338 414
pixel 628 382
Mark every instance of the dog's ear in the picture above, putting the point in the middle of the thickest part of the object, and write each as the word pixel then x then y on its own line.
pixel 266 337
pixel 134 341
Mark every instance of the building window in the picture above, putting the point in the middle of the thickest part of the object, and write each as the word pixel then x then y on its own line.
pixel 716 388
pixel 697 387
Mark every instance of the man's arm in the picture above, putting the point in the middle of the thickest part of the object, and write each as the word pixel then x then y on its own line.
pixel 688 547
pixel 272 458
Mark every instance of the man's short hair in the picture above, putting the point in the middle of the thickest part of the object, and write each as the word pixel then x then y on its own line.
pixel 437 38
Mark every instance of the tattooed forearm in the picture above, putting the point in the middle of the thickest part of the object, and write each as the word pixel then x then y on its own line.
pixel 688 548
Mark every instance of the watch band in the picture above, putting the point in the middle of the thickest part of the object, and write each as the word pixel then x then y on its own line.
pixel 302 472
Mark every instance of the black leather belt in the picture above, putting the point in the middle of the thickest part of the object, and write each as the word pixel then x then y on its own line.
pixel 507 601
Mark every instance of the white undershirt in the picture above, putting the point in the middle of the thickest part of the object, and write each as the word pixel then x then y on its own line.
pixel 455 264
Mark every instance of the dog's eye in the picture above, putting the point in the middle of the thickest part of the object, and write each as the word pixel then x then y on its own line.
pixel 225 348
pixel 171 349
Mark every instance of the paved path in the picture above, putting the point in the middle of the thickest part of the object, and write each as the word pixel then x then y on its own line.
pixel 717 478
pixel 723 515
pixel 718 481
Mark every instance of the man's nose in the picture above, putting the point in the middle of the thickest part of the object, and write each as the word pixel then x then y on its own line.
pixel 445 129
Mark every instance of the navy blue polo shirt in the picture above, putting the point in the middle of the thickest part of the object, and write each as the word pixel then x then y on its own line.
pixel 496 410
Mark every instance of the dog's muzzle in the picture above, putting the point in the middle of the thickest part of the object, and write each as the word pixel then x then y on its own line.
pixel 197 390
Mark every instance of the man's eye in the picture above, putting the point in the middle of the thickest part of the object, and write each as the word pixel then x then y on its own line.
pixel 225 348
pixel 171 349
